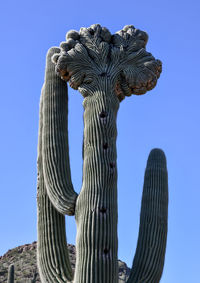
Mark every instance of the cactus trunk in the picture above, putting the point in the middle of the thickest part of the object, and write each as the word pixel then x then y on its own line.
pixel 96 207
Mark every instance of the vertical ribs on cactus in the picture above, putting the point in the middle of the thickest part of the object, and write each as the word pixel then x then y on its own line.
pixel 105 69
pixel 11 273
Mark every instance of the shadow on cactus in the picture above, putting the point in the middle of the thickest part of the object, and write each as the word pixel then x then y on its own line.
pixel 104 68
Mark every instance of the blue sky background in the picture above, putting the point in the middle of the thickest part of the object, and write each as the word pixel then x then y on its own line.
pixel 167 117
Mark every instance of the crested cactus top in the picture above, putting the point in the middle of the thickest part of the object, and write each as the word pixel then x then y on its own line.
pixel 93 52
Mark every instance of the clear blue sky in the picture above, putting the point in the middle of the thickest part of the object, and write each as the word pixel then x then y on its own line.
pixel 167 117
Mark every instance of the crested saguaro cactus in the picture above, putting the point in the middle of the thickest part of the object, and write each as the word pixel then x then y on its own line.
pixel 104 68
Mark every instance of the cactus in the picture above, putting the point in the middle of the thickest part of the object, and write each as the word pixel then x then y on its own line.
pixel 105 69
pixel 33 280
pixel 11 273
pixel 149 258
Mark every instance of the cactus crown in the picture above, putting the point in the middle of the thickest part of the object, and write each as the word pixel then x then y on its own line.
pixel 93 52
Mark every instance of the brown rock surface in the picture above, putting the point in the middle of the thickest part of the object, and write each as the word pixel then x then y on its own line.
pixel 24 259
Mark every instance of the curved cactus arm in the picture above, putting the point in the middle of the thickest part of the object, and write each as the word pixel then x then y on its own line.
pixel 55 149
pixel 52 253
pixel 150 252
pixel 11 274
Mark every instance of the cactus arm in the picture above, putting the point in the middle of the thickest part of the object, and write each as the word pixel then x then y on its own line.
pixel 55 149
pixel 11 274
pixel 52 253
pixel 150 252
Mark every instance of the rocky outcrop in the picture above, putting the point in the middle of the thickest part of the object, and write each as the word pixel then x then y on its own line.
pixel 24 259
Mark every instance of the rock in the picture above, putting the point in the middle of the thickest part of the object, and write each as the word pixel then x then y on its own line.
pixel 24 259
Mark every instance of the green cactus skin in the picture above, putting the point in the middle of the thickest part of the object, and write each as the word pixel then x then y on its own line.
pixel 96 207
pixel 11 273
pixel 55 138
pixel 150 252
pixel 104 69
pixel 52 254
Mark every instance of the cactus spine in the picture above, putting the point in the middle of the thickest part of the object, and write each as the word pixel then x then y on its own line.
pixel 104 69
